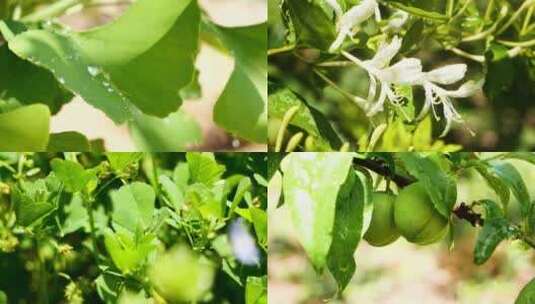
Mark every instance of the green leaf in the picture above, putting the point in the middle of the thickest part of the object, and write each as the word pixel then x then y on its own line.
pixel 127 253
pixel 25 129
pixel 311 183
pixel 259 218
pixel 25 83
pixel 419 9
pixel 307 118
pixel 68 141
pixel 510 175
pixel 133 206
pixel 203 168
pixel 242 107
pixel 347 229
pixel 175 132
pixel 172 192
pixel 77 216
pixel 495 182
pixel 527 294
pixel 256 290
pixel 495 230
pixel 108 286
pixel 120 161
pixel 313 27
pixel 34 201
pixel 525 156
pixel 113 67
pixel 441 187
pixel 73 176
pixel 273 162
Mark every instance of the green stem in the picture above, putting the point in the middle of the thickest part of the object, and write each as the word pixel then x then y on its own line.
pixel 89 205
pixel 53 10
pixel 283 49
pixel 294 142
pixel 527 19
pixel 515 16
pixel 361 102
pixel 288 116
pixel 490 8
pixel 43 275
pixel 524 44
pixel 450 5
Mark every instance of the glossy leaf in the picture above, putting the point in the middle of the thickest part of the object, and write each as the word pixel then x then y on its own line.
pixel 510 175
pixel 347 229
pixel 307 118
pixel 112 66
pixel 311 183
pixel 495 182
pixel 312 26
pixel 495 230
pixel 24 83
pixel 441 187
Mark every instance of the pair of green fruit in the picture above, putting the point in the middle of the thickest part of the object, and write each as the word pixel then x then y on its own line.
pixel 411 214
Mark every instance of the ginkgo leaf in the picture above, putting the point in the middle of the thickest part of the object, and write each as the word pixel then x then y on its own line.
pixel 124 64
pixel 242 107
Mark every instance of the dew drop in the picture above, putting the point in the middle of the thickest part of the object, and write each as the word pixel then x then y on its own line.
pixel 61 80
pixel 94 71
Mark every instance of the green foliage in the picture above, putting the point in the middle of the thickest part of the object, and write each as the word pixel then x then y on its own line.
pixel 136 69
pixel 328 194
pixel 133 227
pixel 325 51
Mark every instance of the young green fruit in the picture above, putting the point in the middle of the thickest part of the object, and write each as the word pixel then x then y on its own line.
pixel 416 218
pixel 382 230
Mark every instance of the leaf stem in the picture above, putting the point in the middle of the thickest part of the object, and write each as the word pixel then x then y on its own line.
pixel 89 207
pixel 282 49
pixel 515 16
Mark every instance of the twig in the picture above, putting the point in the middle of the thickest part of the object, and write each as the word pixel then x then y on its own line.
pixel 465 212
pixel 381 168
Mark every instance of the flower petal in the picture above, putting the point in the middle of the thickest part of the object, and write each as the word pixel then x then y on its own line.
pixel 406 71
pixel 358 14
pixel 336 8
pixel 385 53
pixel 428 101
pixel 447 74
pixel 468 89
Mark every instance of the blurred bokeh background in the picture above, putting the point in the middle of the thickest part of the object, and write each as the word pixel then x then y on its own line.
pixel 404 273
pixel 215 69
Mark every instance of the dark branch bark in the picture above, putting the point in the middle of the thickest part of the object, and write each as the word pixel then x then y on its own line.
pixel 381 168
pixel 463 211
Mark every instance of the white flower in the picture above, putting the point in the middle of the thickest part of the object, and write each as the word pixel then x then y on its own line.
pixel 243 244
pixel 436 95
pixel 349 20
pixel 407 71
pixel 397 21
